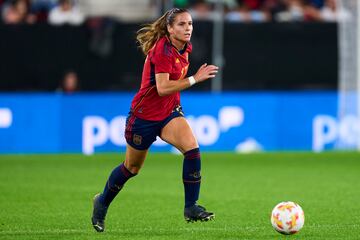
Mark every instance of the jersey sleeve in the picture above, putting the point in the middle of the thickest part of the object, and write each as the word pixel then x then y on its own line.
pixel 162 60
pixel 162 63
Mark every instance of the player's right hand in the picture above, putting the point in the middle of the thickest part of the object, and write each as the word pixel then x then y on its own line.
pixel 205 72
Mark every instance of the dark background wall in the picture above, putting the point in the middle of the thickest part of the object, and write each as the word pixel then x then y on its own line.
pixel 271 56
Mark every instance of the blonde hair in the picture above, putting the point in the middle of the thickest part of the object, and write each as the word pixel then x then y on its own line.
pixel 150 33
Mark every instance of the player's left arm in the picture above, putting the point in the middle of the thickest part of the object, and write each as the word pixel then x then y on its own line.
pixel 165 86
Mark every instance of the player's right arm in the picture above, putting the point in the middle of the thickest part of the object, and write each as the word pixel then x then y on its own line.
pixel 166 86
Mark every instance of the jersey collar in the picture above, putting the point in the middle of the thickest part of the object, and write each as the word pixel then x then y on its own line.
pixel 182 51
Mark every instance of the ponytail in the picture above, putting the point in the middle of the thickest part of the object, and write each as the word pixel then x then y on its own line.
pixel 150 33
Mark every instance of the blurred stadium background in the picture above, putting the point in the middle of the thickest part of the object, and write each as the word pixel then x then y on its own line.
pixel 69 70
pixel 289 82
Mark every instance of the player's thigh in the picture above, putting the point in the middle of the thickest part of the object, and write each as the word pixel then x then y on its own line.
pixel 178 133
pixel 134 159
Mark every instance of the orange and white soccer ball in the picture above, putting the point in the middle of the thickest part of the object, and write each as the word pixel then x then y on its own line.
pixel 287 218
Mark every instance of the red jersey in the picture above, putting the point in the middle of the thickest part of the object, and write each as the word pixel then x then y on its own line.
pixel 162 58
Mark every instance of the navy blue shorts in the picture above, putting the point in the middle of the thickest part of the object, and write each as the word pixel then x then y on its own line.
pixel 140 134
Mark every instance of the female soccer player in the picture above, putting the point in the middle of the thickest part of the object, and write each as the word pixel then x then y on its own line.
pixel 156 111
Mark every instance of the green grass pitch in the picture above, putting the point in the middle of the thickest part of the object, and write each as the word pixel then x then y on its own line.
pixel 50 196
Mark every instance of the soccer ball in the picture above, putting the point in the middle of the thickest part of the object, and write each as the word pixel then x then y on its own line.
pixel 287 218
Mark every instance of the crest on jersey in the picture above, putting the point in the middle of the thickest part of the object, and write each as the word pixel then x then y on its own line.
pixel 137 139
pixel 177 60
